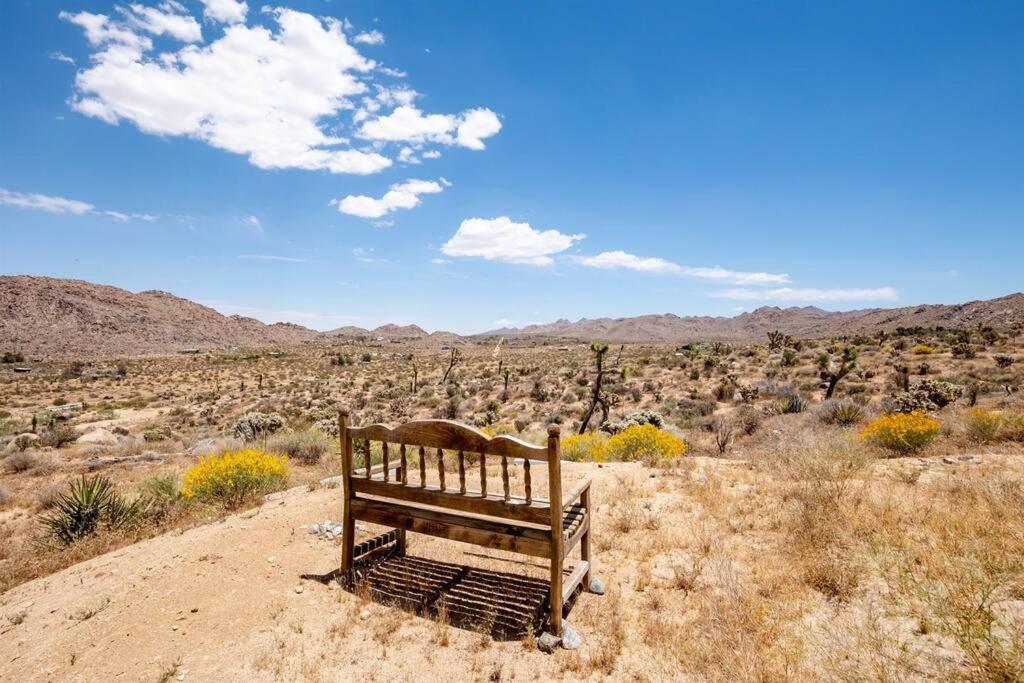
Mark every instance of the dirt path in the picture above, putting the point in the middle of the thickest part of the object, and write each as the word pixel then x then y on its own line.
pixel 220 602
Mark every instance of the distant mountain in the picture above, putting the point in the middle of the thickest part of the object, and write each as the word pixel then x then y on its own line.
pixel 50 317
pixel 42 316
pixel 808 321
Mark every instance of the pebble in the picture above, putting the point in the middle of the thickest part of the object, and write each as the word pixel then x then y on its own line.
pixel 547 642
pixel 364 615
pixel 298 589
pixel 570 639
pixel 949 461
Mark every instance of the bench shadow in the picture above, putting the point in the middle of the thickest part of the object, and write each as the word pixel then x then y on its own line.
pixel 504 606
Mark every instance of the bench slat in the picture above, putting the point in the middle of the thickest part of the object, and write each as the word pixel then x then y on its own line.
pixel 452 436
pixel 456 527
pixel 534 512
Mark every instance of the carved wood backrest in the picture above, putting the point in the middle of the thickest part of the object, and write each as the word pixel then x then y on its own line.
pixel 422 452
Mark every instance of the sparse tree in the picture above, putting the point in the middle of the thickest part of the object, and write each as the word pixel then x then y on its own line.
pixel 453 360
pixel 598 397
pixel 835 365
pixel 775 340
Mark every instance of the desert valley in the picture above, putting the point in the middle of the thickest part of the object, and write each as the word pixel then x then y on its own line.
pixel 745 525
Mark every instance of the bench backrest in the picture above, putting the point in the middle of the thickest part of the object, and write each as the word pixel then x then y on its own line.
pixel 422 451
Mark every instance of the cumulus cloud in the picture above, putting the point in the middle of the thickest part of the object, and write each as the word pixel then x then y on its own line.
pixel 501 239
pixel 226 11
pixel 399 196
pixel 622 259
pixel 810 294
pixel 370 38
pixel 167 19
pixel 292 94
pixel 408 124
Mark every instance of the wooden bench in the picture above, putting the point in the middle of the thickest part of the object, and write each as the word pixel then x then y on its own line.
pixel 457 505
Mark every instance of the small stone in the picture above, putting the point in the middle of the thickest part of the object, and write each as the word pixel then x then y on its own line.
pixel 271 559
pixel 949 461
pixel 570 639
pixel 314 529
pixel 298 589
pixel 364 615
pixel 174 627
pixel 337 529
pixel 597 586
pixel 547 642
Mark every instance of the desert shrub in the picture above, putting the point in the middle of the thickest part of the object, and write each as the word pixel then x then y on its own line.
pixel 308 446
pixel 922 350
pixel 643 417
pixel 1003 360
pixel 21 461
pixel 589 447
pixel 983 424
pixel 89 504
pixel 788 404
pixel 254 425
pixel 5 497
pixel 328 426
pixel 748 419
pixel 902 433
pixel 23 442
pixel 12 357
pixel 840 412
pixel 646 443
pixel 58 435
pixel 927 395
pixel 233 477
pixel 1012 428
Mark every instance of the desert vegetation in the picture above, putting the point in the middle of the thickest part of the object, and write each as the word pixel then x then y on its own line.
pixel 786 508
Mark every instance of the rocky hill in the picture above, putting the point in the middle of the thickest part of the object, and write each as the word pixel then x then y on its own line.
pixel 806 321
pixel 49 317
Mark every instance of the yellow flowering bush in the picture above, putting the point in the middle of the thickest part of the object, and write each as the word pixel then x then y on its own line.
pixel 234 476
pixel 644 442
pixel 983 424
pixel 585 447
pixel 922 350
pixel 902 432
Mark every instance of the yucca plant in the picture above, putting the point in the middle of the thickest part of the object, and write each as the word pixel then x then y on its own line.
pixel 87 504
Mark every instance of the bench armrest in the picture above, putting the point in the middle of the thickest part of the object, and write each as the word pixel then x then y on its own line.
pixel 570 499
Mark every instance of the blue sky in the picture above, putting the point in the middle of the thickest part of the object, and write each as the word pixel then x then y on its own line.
pixel 465 165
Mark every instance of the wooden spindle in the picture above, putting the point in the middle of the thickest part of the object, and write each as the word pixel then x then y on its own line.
pixel 384 447
pixel 462 473
pixel 403 475
pixel 483 475
pixel 423 468
pixel 504 477
pixel 440 468
pixel 526 480
pixel 369 457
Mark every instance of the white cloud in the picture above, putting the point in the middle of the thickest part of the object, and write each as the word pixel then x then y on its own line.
pixel 500 239
pixel 167 20
pixel 366 256
pixel 810 294
pixel 271 257
pixel 288 95
pixel 53 204
pixel 61 57
pixel 227 11
pixel 42 202
pixel 407 123
pixel 622 259
pixel 369 38
pixel 400 196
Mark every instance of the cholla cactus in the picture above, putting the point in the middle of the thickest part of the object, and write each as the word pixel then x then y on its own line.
pixel 256 425
pixel 928 395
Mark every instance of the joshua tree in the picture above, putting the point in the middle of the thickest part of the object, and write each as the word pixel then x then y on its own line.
pixel 597 396
pixel 453 360
pixel 415 378
pixel 775 340
pixel 836 365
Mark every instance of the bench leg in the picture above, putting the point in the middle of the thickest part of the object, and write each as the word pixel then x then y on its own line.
pixel 400 534
pixel 585 541
pixel 348 542
pixel 556 595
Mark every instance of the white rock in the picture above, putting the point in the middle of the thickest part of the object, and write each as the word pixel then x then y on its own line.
pixel 100 437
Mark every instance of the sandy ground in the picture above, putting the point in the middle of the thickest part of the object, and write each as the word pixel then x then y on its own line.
pixel 221 602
